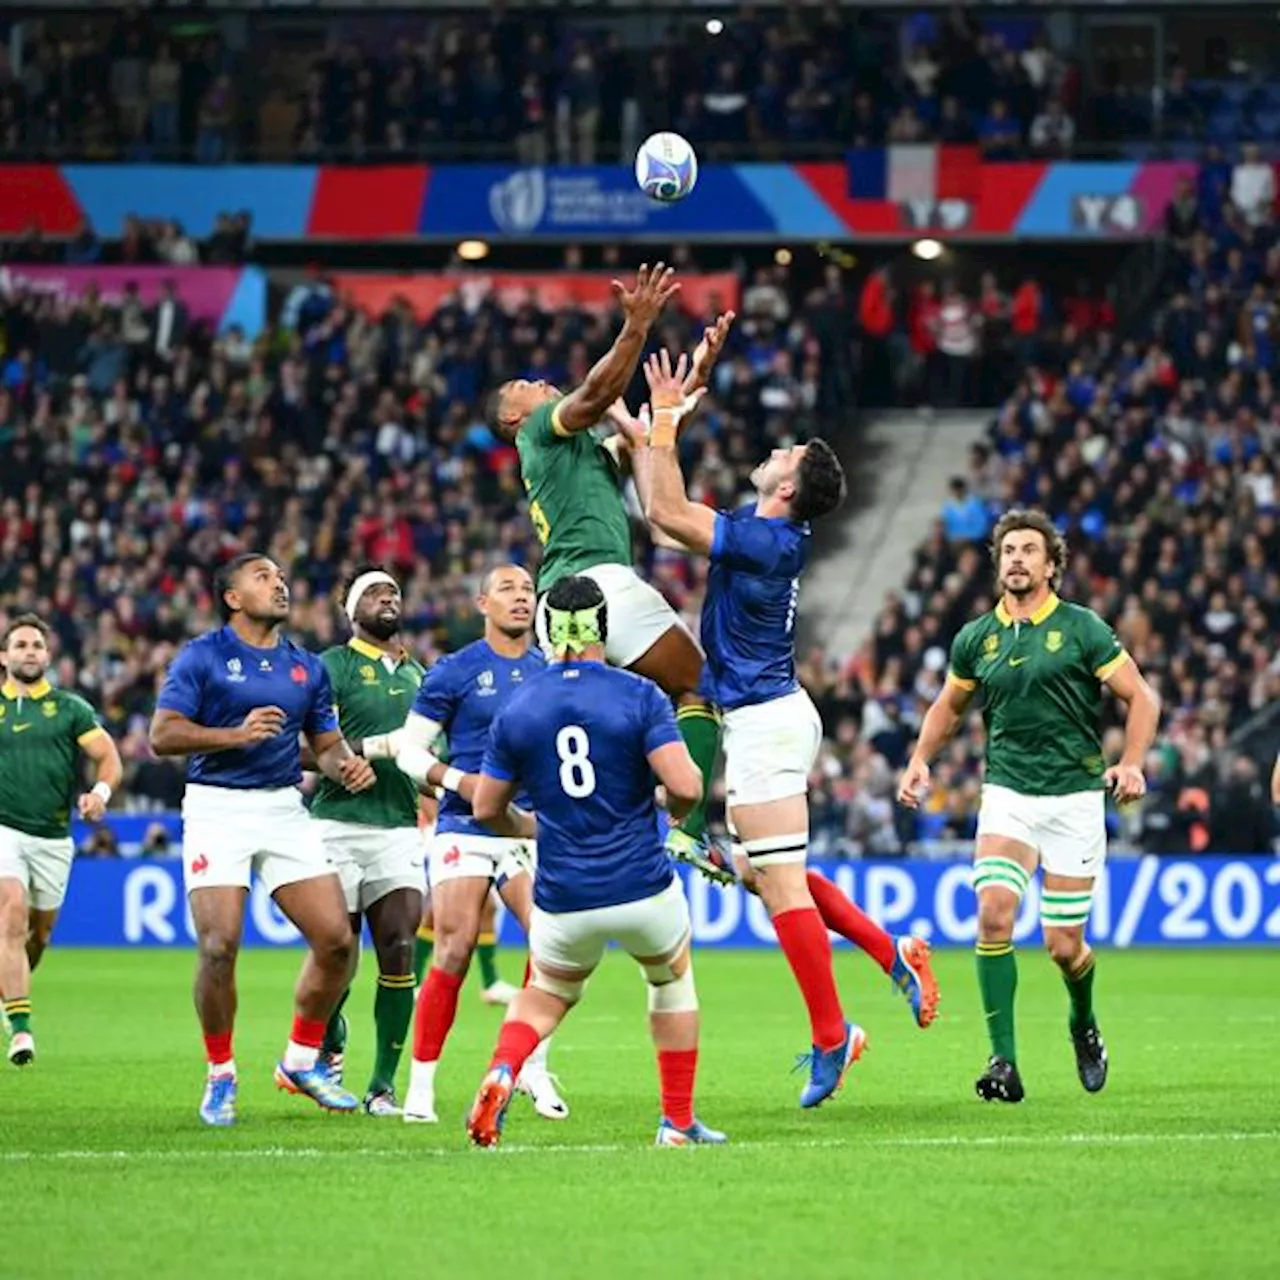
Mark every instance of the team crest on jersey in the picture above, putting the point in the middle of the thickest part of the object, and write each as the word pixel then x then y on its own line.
pixel 368 675
pixel 264 665
pixel 298 675
pixel 484 682
pixel 1053 641
pixel 990 646
pixel 516 675
pixel 50 710
pixel 235 671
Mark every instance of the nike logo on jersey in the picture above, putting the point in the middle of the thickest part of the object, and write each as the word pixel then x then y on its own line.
pixel 1016 662
pixel 21 728
pixel 394 692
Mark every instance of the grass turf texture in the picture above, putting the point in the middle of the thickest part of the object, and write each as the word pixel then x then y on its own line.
pixel 1173 1171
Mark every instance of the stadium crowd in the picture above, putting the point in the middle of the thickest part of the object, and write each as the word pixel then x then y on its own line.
pixel 1158 458
pixel 553 84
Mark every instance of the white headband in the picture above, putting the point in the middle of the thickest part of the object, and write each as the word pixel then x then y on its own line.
pixel 374 578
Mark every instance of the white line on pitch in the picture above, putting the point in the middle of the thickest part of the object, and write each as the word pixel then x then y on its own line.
pixel 618 1148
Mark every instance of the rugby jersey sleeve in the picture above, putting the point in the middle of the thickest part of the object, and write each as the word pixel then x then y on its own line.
pixel 183 688
pixel 747 543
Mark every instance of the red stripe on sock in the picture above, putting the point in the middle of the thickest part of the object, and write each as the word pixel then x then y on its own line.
pixel 516 1041
pixel 437 1008
pixel 807 946
pixel 842 916
pixel 308 1033
pixel 676 1072
pixel 217 1049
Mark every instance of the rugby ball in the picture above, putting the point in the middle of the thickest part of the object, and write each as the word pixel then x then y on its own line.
pixel 666 167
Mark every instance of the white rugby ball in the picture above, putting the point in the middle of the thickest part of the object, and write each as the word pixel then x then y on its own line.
pixel 666 167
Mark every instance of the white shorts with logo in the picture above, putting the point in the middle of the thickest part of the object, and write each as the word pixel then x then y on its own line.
pixel 655 928
pixel 372 862
pixel 456 855
pixel 228 834
pixel 639 615
pixel 1068 832
pixel 769 748
pixel 41 864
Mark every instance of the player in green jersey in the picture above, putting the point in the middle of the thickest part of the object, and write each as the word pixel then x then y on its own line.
pixel 1041 664
pixel 372 836
pixel 572 480
pixel 43 732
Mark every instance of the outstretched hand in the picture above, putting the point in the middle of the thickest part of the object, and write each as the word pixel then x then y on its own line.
pixel 654 288
pixel 707 352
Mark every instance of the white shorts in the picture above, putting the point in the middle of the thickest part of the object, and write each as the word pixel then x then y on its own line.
pixel 41 864
pixel 372 862
pixel 228 834
pixel 1068 832
pixel 654 929
pixel 639 615
pixel 454 855
pixel 769 748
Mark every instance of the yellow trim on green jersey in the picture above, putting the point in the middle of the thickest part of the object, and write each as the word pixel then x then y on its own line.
pixel 1005 618
pixel 967 685
pixel 40 690
pixel 367 650
pixel 89 735
pixel 556 425
pixel 1108 669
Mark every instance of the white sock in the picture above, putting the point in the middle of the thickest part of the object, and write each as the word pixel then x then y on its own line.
pixel 537 1060
pixel 422 1078
pixel 227 1068
pixel 299 1057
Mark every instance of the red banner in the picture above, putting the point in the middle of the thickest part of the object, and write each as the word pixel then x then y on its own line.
pixel 700 295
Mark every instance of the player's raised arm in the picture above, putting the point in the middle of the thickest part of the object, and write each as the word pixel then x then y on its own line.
pixel 668 508
pixel 609 377
pixel 707 352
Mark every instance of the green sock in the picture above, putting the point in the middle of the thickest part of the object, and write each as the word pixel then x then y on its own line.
pixel 486 953
pixel 18 1011
pixel 700 728
pixel 392 1011
pixel 1080 989
pixel 335 1034
pixel 423 945
pixel 998 981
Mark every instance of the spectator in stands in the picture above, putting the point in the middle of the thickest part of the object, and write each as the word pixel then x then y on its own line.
pixel 164 93
pixel 1053 132
pixel 999 134
pixel 959 337
pixel 964 515
pixel 1253 186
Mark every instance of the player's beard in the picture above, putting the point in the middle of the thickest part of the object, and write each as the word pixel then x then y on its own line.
pixel 1023 589
pixel 29 670
pixel 381 628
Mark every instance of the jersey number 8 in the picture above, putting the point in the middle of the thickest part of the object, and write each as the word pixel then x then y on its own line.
pixel 577 773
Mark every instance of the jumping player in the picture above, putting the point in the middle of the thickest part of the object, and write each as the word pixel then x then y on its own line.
pixel 1041 664
pixel 772 729
pixel 577 511
pixel 235 701
pixel 586 743
pixel 460 698
pixel 43 732
pixel 372 837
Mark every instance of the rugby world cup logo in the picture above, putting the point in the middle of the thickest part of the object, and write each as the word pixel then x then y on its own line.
pixel 518 203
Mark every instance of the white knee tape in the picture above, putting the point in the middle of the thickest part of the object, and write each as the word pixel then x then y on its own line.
pixel 676 995
pixel 1001 873
pixel 561 988
pixel 776 851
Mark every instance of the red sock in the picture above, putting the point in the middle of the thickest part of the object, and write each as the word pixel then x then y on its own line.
pixel 844 917
pixel 437 1008
pixel 217 1049
pixel 676 1071
pixel 516 1041
pixel 307 1033
pixel 806 945
pixel 528 970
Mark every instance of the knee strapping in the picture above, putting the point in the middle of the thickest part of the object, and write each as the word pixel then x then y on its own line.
pixel 1065 909
pixel 672 995
pixel 772 851
pixel 1001 873
pixel 568 990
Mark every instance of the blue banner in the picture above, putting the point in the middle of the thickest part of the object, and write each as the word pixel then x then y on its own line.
pixel 1206 901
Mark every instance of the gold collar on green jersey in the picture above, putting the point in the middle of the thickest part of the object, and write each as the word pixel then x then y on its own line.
pixel 1006 619
pixel 371 651
pixel 11 690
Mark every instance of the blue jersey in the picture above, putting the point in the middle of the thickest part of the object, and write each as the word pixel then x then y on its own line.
pixel 577 738
pixel 217 679
pixel 463 693
pixel 749 613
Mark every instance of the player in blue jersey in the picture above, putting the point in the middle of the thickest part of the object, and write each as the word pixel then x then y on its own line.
pixel 459 698
pixel 585 742
pixel 235 701
pixel 772 731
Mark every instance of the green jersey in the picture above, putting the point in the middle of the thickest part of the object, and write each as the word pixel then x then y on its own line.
pixel 371 694
pixel 41 734
pixel 1041 682
pixel 574 500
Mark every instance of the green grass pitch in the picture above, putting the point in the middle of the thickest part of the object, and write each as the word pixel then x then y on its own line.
pixel 1174 1171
